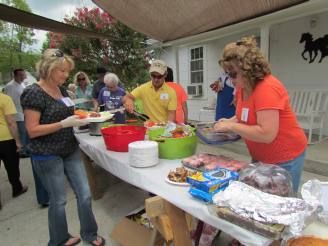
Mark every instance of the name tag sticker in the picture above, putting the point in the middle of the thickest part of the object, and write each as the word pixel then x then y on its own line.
pixel 244 114
pixel 106 93
pixel 164 96
pixel 68 102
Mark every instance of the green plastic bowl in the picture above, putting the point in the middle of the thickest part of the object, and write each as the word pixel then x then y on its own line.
pixel 173 148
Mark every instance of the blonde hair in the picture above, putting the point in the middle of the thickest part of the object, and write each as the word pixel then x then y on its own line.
pixel 111 78
pixel 51 59
pixel 78 74
pixel 246 55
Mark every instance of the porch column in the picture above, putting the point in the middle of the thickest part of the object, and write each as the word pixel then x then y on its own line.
pixel 265 40
pixel 177 70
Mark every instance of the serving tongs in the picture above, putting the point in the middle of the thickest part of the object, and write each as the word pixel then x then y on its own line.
pixel 142 117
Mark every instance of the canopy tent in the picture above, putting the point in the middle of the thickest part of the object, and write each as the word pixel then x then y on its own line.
pixel 173 19
pixel 162 20
pixel 27 19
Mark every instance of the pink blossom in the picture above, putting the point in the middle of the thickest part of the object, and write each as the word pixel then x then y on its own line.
pixel 104 14
pixel 98 26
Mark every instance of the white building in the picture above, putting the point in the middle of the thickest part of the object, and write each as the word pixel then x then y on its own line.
pixel 279 34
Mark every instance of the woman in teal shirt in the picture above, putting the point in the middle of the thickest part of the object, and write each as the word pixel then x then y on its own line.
pixel 84 91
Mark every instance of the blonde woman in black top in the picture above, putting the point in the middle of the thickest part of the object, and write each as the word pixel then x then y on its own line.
pixel 49 121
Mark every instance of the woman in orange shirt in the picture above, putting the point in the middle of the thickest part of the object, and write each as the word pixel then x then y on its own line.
pixel 264 118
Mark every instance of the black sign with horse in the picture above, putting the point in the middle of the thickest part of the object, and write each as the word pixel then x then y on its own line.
pixel 313 46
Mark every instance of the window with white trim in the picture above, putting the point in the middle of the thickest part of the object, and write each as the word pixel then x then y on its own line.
pixel 196 65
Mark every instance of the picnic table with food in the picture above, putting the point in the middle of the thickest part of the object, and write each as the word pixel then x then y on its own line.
pixel 254 203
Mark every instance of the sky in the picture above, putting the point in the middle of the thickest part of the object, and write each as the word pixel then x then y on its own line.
pixel 56 10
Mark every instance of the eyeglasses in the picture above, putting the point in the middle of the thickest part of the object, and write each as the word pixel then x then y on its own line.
pixel 80 79
pixel 58 53
pixel 157 76
pixel 232 75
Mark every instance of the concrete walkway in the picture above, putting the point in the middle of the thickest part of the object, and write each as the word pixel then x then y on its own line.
pixel 23 223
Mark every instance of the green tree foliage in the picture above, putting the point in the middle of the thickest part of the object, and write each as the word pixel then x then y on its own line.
pixel 124 52
pixel 14 40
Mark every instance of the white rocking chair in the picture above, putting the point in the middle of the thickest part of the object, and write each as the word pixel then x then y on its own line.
pixel 310 107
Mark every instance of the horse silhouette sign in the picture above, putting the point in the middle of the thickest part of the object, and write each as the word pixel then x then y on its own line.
pixel 313 46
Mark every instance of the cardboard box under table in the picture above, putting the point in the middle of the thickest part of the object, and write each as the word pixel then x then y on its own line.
pixel 163 216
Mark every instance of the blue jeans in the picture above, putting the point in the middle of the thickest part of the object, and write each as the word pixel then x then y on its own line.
pixel 41 192
pixel 52 174
pixel 295 168
pixel 23 137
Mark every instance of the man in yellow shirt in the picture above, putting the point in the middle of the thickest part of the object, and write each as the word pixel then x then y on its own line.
pixel 158 99
pixel 10 144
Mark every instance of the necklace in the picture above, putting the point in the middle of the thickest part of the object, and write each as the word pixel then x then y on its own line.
pixel 52 91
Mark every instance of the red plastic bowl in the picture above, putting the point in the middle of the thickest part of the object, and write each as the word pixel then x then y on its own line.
pixel 117 138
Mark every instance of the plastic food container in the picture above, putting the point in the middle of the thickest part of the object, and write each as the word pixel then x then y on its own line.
pixel 208 162
pixel 117 138
pixel 173 148
pixel 206 133
pixel 268 178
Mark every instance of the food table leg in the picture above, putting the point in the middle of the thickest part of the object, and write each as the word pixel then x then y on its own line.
pixel 181 235
pixel 169 220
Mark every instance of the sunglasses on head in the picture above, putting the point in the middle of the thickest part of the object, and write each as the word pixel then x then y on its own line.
pixel 157 76
pixel 58 53
pixel 80 79
pixel 232 75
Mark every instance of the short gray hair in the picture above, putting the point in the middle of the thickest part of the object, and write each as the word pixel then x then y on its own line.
pixel 51 59
pixel 111 78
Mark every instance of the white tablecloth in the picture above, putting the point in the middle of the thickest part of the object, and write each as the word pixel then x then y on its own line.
pixel 152 179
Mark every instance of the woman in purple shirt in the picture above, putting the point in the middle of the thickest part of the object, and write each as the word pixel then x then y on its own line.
pixel 111 96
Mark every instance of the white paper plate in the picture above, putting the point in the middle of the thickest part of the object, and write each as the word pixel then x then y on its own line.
pixel 103 117
pixel 176 183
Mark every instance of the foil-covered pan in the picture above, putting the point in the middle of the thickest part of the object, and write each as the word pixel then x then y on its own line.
pixel 251 203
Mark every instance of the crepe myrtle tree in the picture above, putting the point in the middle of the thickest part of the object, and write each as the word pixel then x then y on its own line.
pixel 15 43
pixel 124 52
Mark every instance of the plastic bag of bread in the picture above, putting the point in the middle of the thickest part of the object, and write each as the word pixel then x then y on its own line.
pixel 268 178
